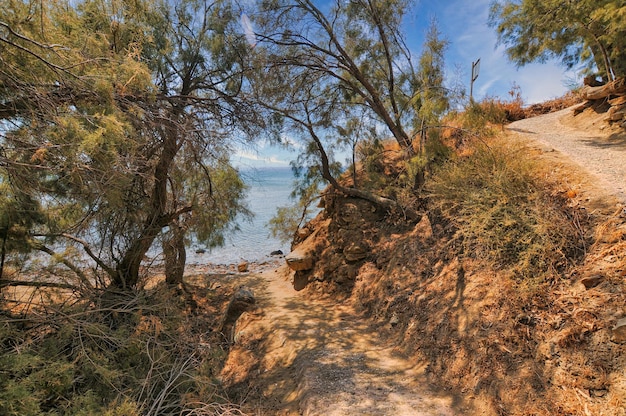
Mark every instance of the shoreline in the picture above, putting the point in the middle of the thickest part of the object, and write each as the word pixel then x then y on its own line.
pixel 231 268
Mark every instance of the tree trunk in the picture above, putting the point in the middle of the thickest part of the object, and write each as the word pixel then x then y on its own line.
pixel 127 275
pixel 175 254
pixel 3 252
pixel 617 87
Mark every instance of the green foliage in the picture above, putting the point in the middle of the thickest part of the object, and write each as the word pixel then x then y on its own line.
pixel 433 95
pixel 503 212
pixel 371 157
pixel 479 116
pixel 590 32
pixel 137 357
pixel 116 123
pixel 286 222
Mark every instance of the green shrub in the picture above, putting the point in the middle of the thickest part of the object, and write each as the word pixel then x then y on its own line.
pixel 503 210
pixel 139 357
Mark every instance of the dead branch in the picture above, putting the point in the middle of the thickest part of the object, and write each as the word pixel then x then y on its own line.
pixel 617 87
pixel 58 285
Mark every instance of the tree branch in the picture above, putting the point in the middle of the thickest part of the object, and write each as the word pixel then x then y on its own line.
pixel 111 272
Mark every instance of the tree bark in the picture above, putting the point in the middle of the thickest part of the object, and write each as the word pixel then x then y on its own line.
pixel 175 254
pixel 617 87
pixel 57 285
pixel 127 275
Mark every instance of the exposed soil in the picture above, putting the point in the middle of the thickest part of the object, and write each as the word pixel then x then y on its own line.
pixel 299 355
pixel 412 329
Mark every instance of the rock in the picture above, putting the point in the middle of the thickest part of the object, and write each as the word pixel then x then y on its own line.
pixel 354 252
pixel 349 216
pixel 276 253
pixel 423 228
pixel 242 301
pixel 242 267
pixel 200 251
pixel 300 280
pixel 619 331
pixel 299 260
pixel 592 281
pixel 394 320
pixel 303 233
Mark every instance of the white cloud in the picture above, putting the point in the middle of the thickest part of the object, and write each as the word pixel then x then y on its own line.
pixel 263 158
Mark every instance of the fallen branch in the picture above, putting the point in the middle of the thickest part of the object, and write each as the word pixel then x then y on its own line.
pixel 617 87
pixel 6 283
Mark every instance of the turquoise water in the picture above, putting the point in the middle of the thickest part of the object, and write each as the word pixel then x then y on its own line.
pixel 269 188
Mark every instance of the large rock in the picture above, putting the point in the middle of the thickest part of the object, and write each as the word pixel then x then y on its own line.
pixel 300 259
pixel 243 300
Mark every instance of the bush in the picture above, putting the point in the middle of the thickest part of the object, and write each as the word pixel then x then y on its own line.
pixel 139 355
pixel 503 210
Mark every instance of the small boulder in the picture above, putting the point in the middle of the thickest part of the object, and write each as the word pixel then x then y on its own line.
pixel 424 228
pixel 276 253
pixel 243 300
pixel 619 331
pixel 300 280
pixel 299 260
pixel 355 252
pixel 592 281
pixel 242 267
pixel 303 233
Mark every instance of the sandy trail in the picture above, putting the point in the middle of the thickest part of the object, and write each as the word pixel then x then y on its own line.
pixel 320 358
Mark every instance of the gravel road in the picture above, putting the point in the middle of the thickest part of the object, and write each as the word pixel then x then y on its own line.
pixel 601 153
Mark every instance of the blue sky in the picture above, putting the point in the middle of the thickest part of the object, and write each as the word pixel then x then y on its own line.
pixel 464 24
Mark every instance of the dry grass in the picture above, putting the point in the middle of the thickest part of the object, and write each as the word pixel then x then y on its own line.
pixel 503 210
pixel 486 288
pixel 142 353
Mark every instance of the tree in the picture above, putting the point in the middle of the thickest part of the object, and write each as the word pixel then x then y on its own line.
pixel 356 47
pixel 591 32
pixel 433 96
pixel 116 121
pixel 329 75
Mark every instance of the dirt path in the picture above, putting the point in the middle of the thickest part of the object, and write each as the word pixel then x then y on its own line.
pixel 599 152
pixel 320 358
pixel 305 356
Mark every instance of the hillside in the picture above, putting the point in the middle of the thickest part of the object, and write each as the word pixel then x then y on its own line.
pixel 395 317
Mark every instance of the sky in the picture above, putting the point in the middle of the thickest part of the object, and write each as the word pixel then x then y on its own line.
pixel 464 23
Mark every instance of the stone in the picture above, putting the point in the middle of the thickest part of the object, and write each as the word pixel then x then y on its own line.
pixel 592 281
pixel 300 280
pixel 276 253
pixel 200 251
pixel 303 233
pixel 619 331
pixel 243 300
pixel 299 260
pixel 242 267
pixel 355 252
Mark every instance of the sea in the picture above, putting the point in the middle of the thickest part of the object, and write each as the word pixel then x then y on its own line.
pixel 269 188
